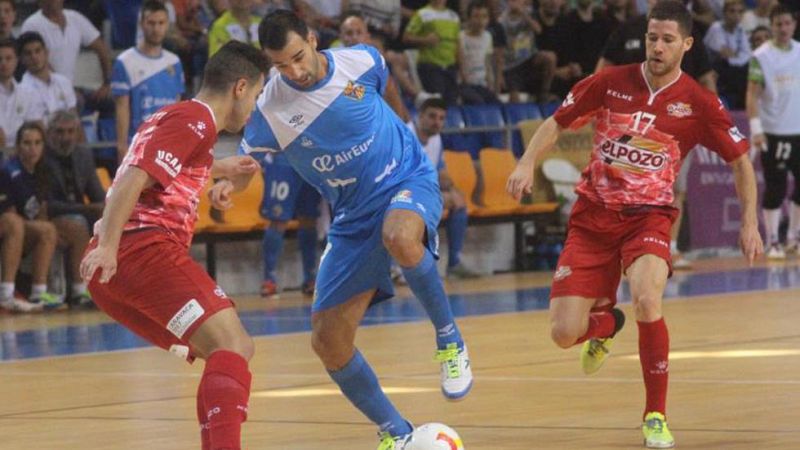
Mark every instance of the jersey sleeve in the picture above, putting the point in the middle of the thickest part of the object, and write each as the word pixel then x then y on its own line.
pixel 584 99
pixel 167 144
pixel 120 82
pixel 257 136
pixel 754 72
pixel 415 25
pixel 720 134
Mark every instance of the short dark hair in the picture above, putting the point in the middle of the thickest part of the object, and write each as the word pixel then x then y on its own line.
pixel 779 10
pixel 433 102
pixel 8 42
pixel 675 11
pixel 152 6
pixel 476 4
pixel 28 37
pixel 273 32
pixel 233 61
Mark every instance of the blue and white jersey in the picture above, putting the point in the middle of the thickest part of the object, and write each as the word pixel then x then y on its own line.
pixel 339 134
pixel 151 83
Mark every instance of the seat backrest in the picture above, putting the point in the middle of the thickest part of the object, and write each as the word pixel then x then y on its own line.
pixel 497 164
pixel 469 142
pixel 515 113
pixel 461 170
pixel 549 108
pixel 486 116
pixel 104 177
pixel 245 212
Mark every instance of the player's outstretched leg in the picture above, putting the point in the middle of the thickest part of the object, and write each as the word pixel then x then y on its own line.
pixel 403 234
pixel 332 337
pixel 271 248
pixel 224 391
pixel 307 241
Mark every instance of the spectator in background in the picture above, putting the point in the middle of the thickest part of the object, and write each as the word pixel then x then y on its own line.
pixel 16 101
pixel 499 41
pixel 550 16
pixel 235 24
pixel 189 40
pixel 759 35
pixel 29 179
pixel 758 16
pixel 478 85
pixel 527 69
pixel 382 16
pixel 123 16
pixel 730 53
pixel 584 31
pixel 434 29
pixel 145 77
pixel 52 91
pixel 428 128
pixel 64 32
pixel 8 15
pixel 73 180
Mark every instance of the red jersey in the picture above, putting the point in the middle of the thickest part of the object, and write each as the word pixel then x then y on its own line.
pixel 175 147
pixel 641 136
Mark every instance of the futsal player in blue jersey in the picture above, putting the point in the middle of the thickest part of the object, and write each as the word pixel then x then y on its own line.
pixel 145 77
pixel 326 114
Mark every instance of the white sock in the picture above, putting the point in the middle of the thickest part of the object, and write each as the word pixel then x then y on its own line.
pixel 6 291
pixel 78 288
pixel 793 233
pixel 38 289
pixel 772 221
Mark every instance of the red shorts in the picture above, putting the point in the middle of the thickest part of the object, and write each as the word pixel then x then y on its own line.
pixel 602 243
pixel 159 292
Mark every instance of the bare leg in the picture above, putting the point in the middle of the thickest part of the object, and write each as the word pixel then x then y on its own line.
pixel 12 228
pixel 42 236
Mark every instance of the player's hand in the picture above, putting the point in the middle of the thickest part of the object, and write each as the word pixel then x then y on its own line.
pixel 99 258
pixel 235 165
pixel 759 141
pixel 750 242
pixel 521 181
pixel 220 194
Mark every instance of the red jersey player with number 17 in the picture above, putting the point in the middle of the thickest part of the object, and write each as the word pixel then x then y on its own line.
pixel 647 118
pixel 138 264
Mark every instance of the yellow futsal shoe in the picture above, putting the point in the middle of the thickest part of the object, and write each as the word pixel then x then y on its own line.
pixel 656 433
pixel 595 351
pixel 389 442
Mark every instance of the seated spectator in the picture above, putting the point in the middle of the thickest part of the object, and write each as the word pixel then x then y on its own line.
pixel 527 69
pixel 237 24
pixel 8 15
pixel 434 29
pixel 549 16
pixel 29 177
pixel 52 91
pixel 17 101
pixel 73 179
pixel 146 77
pixel 584 31
pixel 760 35
pixel 499 41
pixel 428 128
pixel 64 32
pixel 190 41
pixel 758 16
pixel 730 53
pixel 12 239
pixel 382 16
pixel 477 86
pixel 122 16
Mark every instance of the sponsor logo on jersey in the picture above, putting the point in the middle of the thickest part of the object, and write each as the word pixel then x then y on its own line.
pixel 354 91
pixel 219 292
pixel 198 128
pixel 326 163
pixel 634 153
pixel 169 162
pixel 570 100
pixel 655 240
pixel 562 272
pixel 404 196
pixel 296 120
pixel 679 109
pixel 184 318
pixel 338 182
pixel 735 134
pixel 621 96
pixel 306 142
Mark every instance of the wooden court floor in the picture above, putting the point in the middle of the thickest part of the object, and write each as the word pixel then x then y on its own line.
pixel 734 384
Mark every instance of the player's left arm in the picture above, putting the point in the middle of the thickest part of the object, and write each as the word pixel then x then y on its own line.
pixel 745 179
pixel 392 97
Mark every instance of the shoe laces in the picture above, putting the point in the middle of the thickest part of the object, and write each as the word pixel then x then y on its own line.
pixel 597 346
pixel 656 425
pixel 449 356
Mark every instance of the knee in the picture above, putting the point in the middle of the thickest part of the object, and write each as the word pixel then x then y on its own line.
pixel 49 233
pixel 13 225
pixel 333 353
pixel 563 335
pixel 403 245
pixel 647 307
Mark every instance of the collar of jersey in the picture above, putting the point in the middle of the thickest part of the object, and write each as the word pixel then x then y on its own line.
pixel 143 55
pixel 318 84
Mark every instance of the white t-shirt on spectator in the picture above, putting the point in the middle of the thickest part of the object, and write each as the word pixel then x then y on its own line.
pixel 17 106
pixel 476 49
pixel 63 45
pixel 327 8
pixel 50 97
pixel 750 21
pixel 379 13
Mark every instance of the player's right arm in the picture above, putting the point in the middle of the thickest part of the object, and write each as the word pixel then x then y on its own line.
pixel 755 88
pixel 521 180
pixel 119 206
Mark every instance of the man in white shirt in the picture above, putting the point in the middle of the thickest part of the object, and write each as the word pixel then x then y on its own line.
pixel 730 53
pixel 16 101
pixel 51 91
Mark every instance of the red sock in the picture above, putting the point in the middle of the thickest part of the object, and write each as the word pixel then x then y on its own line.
pixel 202 419
pixel 654 356
pixel 225 390
pixel 601 325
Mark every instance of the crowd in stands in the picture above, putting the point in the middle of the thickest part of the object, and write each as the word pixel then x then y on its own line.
pixel 464 52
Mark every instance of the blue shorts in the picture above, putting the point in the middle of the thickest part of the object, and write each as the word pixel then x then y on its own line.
pixel 286 194
pixel 355 260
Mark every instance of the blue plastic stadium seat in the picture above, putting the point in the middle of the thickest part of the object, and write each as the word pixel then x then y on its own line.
pixel 486 116
pixel 466 142
pixel 549 108
pixel 516 113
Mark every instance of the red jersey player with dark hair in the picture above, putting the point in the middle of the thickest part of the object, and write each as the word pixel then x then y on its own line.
pixel 647 118
pixel 138 264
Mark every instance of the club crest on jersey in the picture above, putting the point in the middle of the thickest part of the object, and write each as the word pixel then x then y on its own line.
pixel 735 134
pixel 403 196
pixel 636 154
pixel 679 109
pixel 354 91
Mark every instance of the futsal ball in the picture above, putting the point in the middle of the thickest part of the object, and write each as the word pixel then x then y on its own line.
pixel 434 436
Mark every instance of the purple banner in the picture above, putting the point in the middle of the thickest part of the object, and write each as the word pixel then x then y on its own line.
pixel 714 213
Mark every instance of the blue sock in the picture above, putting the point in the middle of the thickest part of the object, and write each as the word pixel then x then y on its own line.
pixel 426 284
pixel 456 229
pixel 360 385
pixel 271 247
pixel 307 240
